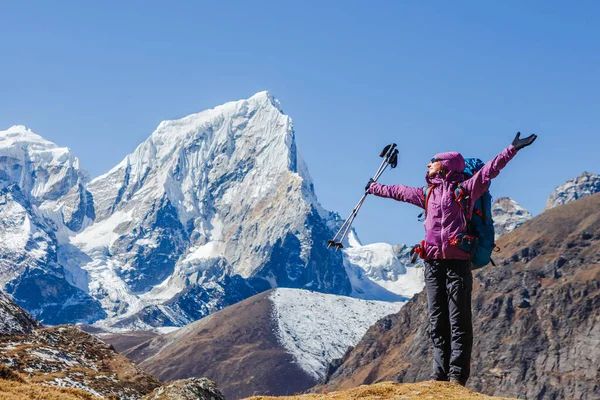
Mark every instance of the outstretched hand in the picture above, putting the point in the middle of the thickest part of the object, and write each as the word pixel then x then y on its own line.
pixel 371 181
pixel 520 143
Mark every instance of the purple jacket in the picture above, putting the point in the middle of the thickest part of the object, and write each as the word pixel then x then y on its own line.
pixel 444 217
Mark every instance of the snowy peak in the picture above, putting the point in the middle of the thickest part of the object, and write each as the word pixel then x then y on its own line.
pixel 39 167
pixel 183 159
pixel 19 134
pixel 584 185
pixel 508 215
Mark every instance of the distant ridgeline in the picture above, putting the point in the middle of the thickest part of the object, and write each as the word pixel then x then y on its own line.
pixel 209 210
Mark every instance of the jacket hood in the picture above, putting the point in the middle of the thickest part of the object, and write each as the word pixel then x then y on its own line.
pixel 453 162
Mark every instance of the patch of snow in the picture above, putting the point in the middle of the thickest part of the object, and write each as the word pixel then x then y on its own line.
pixel 317 328
pixel 101 234
pixel 209 250
pixel 67 382
pixel 163 330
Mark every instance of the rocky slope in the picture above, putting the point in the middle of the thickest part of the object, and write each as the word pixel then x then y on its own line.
pixel 14 320
pixel 536 317
pixel 65 356
pixel 277 342
pixel 187 389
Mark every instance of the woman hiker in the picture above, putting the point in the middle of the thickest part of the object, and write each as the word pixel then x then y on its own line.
pixel 448 278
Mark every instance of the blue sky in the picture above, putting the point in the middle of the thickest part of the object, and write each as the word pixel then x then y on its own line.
pixel 98 77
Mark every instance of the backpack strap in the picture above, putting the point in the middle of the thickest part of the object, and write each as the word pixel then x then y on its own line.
pixel 427 194
pixel 463 199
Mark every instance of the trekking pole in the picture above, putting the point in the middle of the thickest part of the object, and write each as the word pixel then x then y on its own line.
pixel 359 204
pixel 386 153
pixel 390 157
pixel 351 220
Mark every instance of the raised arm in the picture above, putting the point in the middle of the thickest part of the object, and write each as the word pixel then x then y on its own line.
pixel 399 192
pixel 479 182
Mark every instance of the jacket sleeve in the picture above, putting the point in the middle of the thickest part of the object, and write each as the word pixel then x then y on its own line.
pixel 407 194
pixel 479 182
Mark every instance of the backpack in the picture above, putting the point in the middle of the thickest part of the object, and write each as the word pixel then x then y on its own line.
pixel 479 238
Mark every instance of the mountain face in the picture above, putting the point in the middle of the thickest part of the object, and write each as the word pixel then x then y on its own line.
pixel 536 317
pixel 584 185
pixel 211 205
pixel 211 209
pixel 508 215
pixel 278 342
pixel 42 197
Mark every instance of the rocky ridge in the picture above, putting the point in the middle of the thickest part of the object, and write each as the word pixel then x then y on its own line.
pixel 584 185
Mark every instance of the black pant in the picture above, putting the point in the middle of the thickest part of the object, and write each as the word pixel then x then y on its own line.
pixel 449 284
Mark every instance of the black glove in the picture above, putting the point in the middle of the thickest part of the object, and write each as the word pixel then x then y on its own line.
pixel 520 143
pixel 371 181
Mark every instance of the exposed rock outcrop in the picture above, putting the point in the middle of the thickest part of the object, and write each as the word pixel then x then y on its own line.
pixel 187 389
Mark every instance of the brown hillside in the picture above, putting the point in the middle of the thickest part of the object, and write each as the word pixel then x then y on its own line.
pixel 235 347
pixel 536 317
pixel 66 356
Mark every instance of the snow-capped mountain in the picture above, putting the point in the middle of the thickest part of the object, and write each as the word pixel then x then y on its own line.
pixel 42 197
pixel 215 195
pixel 508 215
pixel 584 185
pixel 209 210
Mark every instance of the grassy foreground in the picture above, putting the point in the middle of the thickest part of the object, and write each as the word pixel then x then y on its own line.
pixel 13 390
pixel 396 391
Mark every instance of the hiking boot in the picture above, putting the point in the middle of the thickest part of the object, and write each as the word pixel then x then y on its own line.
pixel 459 381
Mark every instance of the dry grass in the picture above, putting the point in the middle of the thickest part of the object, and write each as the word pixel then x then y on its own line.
pixel 396 391
pixel 13 390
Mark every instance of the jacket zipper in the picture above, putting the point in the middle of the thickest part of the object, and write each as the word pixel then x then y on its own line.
pixel 442 222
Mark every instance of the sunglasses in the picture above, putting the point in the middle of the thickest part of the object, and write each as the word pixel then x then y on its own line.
pixel 437 159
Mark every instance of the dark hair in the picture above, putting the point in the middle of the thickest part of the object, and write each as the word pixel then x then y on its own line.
pixel 443 171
